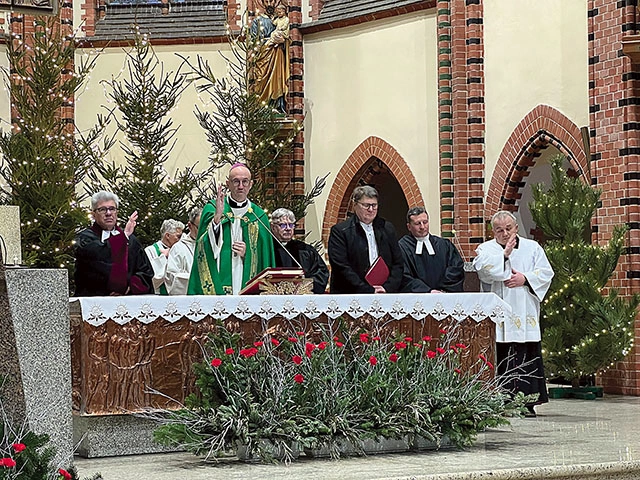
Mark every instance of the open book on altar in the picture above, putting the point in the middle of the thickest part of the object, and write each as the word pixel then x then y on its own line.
pixel 272 276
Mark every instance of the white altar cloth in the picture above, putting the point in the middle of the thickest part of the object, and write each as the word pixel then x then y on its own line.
pixel 147 308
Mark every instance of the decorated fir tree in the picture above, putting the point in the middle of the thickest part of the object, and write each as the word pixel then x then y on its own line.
pixel 143 101
pixel 583 330
pixel 43 158
pixel 242 128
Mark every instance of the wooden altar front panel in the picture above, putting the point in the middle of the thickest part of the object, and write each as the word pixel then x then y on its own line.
pixel 132 367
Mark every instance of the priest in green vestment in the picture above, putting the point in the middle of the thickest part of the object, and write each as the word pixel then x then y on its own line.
pixel 234 243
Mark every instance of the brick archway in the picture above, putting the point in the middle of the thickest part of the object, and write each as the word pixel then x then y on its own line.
pixel 541 127
pixel 350 173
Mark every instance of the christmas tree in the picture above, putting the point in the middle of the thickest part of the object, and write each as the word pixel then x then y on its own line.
pixel 43 158
pixel 243 129
pixel 143 101
pixel 583 331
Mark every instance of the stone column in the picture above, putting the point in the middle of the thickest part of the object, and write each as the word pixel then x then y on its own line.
pixel 36 350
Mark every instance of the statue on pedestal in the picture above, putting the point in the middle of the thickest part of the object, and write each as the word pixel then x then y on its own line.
pixel 270 68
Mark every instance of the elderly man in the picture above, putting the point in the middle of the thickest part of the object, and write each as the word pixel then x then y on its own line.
pixel 110 260
pixel 170 233
pixel 234 243
pixel 355 245
pixel 517 270
pixel 287 249
pixel 431 263
pixel 180 257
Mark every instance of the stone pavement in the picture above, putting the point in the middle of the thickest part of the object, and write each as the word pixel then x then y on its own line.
pixel 569 439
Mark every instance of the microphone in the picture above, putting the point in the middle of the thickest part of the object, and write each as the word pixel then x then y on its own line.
pixel 279 242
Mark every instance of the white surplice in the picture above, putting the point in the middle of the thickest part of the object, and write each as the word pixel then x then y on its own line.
pixel 493 269
pixel 179 264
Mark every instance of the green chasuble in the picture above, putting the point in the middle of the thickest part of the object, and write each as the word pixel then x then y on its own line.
pixel 206 278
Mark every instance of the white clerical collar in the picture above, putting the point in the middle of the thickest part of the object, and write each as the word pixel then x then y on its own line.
pixel 235 204
pixel 424 242
pixel 107 233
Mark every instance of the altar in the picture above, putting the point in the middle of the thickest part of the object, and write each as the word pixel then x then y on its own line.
pixel 133 353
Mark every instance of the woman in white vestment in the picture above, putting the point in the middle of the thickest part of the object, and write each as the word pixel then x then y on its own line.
pixel 517 270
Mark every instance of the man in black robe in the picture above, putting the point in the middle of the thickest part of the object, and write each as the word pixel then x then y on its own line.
pixel 110 260
pixel 283 222
pixel 356 245
pixel 431 263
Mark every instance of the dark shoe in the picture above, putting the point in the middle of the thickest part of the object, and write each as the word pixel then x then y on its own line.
pixel 530 413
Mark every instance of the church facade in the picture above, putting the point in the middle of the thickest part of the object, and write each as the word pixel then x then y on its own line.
pixel 457 105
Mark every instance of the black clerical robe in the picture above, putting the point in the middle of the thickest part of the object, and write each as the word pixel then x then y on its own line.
pixel 423 273
pixel 117 265
pixel 312 264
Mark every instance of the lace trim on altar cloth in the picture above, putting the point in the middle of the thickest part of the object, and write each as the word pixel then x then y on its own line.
pixel 147 308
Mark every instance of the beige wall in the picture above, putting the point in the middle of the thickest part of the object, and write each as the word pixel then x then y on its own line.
pixel 379 79
pixel 536 53
pixel 191 146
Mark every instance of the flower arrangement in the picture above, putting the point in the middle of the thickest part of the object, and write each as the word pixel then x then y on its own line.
pixel 323 389
pixel 25 455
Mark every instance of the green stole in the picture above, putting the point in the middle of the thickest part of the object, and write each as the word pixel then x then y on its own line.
pixel 163 287
pixel 206 278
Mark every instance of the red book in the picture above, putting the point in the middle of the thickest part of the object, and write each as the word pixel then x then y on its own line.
pixel 378 273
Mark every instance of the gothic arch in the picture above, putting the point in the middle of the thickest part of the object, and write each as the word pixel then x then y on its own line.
pixel 351 173
pixel 541 127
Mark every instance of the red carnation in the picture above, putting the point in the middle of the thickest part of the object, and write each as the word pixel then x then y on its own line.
pixel 400 345
pixel 482 357
pixel 458 371
pixel 229 351
pixel 393 358
pixel 322 345
pixel 7 462
pixel 216 362
pixel 66 475
pixel 443 330
pixel 297 359
pixel 431 354
pixel 258 344
pixel 461 345
pixel 298 378
pixel 490 365
pixel 364 337
pixel 300 333
pixel 440 350
pixel 248 352
pixel 426 338
pixel 292 339
pixel 408 339
pixel 18 447
pixel 309 348
pixel 376 339
pixel 339 344
pixel 275 342
pixel 417 345
pixel 373 360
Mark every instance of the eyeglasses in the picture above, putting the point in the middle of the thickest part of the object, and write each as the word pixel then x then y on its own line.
pixel 103 210
pixel 369 206
pixel 284 226
pixel 245 182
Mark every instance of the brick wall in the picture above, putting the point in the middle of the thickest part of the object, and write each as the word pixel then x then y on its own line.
pixel 461 121
pixel 615 139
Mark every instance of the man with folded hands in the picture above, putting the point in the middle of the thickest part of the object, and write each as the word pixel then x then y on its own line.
pixel 357 243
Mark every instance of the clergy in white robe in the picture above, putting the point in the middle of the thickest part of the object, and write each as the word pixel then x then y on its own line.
pixel 170 233
pixel 517 270
pixel 180 257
